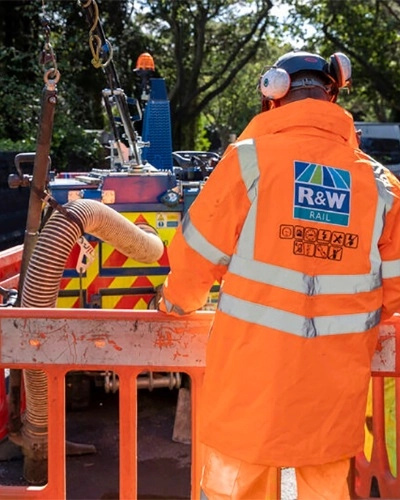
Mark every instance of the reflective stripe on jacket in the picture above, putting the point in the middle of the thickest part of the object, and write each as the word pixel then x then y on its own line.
pixel 301 228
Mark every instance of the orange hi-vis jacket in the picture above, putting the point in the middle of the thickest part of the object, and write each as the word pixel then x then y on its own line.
pixel 302 229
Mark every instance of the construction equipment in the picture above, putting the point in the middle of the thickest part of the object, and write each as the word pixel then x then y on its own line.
pixel 147 182
pixel 79 252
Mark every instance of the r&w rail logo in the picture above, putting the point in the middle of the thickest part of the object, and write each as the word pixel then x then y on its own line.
pixel 321 193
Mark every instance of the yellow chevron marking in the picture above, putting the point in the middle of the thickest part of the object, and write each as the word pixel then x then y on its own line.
pixel 142 304
pixel 165 233
pixel 66 302
pixel 156 280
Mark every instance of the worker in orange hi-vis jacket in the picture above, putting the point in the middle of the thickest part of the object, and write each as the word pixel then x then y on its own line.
pixel 301 228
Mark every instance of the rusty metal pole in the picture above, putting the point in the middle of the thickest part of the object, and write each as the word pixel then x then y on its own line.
pixel 34 217
pixel 40 175
pixel 35 462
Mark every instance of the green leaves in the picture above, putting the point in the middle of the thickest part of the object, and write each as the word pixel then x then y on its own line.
pixel 211 54
pixel 368 32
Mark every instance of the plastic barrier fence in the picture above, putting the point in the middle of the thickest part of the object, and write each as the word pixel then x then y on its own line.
pixel 10 264
pixel 378 466
pixel 57 341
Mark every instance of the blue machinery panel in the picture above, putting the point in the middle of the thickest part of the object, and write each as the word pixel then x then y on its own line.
pixel 157 127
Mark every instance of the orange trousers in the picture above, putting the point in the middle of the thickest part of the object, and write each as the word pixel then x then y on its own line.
pixel 226 478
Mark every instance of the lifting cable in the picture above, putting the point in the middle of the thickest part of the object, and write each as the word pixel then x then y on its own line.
pixel 102 57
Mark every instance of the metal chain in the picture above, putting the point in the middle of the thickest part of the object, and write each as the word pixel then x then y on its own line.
pixel 47 58
pixel 95 40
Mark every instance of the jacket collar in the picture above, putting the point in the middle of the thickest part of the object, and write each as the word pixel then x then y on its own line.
pixel 314 114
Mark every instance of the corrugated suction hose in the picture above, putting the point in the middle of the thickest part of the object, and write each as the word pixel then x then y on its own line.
pixel 40 289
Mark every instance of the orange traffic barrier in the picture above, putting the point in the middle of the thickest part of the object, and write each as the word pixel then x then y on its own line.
pixel 10 264
pixel 131 341
pixel 377 466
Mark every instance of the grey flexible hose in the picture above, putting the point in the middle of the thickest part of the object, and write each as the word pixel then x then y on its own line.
pixel 40 289
pixel 48 260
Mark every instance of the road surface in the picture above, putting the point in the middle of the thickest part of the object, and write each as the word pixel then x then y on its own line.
pixel 163 465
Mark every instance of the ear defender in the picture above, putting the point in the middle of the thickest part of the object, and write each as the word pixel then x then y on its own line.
pixel 340 69
pixel 275 83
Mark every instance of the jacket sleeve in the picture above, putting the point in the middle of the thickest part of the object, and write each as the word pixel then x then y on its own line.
pixel 389 247
pixel 203 245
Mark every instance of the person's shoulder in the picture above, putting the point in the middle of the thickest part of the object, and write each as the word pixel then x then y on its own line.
pixel 257 124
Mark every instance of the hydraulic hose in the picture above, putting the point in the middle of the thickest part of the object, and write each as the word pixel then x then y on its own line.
pixel 41 286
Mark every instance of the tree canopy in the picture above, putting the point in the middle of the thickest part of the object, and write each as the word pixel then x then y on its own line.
pixel 368 31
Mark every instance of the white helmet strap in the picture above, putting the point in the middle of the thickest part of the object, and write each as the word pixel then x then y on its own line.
pixel 310 83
